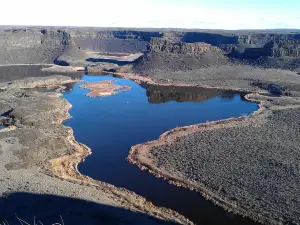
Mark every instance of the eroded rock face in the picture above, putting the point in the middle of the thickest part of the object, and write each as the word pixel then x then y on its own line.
pixel 244 47
pixel 128 41
pixel 35 46
pixel 283 48
pixel 276 48
pixel 166 46
pixel 246 44
pixel 166 55
pixel 67 46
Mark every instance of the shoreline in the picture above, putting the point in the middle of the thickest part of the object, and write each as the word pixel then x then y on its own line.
pixel 66 168
pixel 59 165
pixel 140 154
pixel 144 79
pixel 136 155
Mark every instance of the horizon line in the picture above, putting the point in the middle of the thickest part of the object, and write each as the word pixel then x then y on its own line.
pixel 161 28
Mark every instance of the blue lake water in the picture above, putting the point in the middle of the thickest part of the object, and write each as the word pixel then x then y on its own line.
pixel 111 125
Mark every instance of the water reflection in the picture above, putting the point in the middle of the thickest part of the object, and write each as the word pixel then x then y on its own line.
pixel 162 94
pixel 111 125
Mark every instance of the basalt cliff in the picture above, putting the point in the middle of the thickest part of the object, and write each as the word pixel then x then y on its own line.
pixel 57 45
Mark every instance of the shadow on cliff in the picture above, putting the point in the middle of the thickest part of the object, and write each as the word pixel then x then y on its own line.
pixel 213 39
pixel 51 209
pixel 119 63
pixel 61 62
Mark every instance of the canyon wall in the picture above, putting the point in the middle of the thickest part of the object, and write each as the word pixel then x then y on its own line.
pixel 122 41
pixel 46 45
pixel 36 46
pixel 238 44
pixel 18 46
pixel 164 45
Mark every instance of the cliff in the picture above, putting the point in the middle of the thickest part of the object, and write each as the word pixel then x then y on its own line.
pixel 35 46
pixel 122 41
pixel 159 45
pixel 249 44
pixel 47 45
pixel 285 48
pixel 170 54
pixel 167 55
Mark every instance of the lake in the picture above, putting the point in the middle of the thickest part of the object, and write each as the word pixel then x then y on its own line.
pixel 111 125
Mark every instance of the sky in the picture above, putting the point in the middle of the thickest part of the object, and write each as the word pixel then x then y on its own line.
pixel 203 14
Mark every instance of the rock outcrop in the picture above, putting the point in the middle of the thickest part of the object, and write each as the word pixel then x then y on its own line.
pixel 159 45
pixel 69 46
pixel 285 48
pixel 122 41
pixel 166 55
pixel 35 46
pixel 249 44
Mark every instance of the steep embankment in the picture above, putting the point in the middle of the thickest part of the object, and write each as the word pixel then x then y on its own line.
pixel 122 41
pixel 71 45
pixel 36 46
pixel 190 50
pixel 167 55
